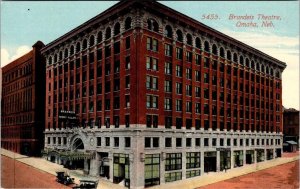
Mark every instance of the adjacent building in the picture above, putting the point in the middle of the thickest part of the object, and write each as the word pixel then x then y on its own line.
pixel 146 95
pixel 23 103
pixel 291 127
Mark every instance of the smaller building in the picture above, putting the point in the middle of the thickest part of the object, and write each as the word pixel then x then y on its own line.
pixel 23 103
pixel 291 125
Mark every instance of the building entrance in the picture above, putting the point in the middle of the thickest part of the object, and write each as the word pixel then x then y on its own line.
pixel 238 158
pixel 121 169
pixel 260 155
pixel 249 156
pixel 278 152
pixel 210 162
pixel 225 160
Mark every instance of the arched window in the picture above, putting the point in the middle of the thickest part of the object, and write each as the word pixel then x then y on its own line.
pixel 222 54
pixel 228 55
pixel 50 60
pixel 252 65
pixel 55 58
pixel 127 23
pixel 235 57
pixel 189 39
pixel 60 55
pixel 198 43
pixel 92 41
pixel 84 44
pixel 152 25
pixel 262 68
pixel 179 36
pixel 99 37
pixel 168 31
pixel 72 50
pixel 214 49
pixel 117 28
pixel 107 33
pixel 242 60
pixel 77 47
pixel 206 46
pixel 257 67
pixel 247 62
pixel 271 71
pixel 277 74
pixel 66 53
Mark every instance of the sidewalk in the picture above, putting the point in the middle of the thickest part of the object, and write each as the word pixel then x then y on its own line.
pixel 213 177
pixel 191 183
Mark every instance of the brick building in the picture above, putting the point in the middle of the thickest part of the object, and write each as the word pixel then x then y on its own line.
pixel 291 125
pixel 23 103
pixel 158 97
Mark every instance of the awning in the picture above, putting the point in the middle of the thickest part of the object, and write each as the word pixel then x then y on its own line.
pixel 291 142
pixel 69 155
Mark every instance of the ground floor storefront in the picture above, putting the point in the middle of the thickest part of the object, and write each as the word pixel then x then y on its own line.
pixel 139 160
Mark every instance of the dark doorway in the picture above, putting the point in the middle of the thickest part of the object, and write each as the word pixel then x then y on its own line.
pixel 248 159
pixel 210 162
pixel 278 152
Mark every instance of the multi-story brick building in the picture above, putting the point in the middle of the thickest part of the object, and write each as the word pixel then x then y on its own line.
pixel 23 103
pixel 159 97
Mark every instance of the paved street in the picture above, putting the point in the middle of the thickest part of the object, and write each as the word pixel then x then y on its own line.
pixel 283 176
pixel 15 174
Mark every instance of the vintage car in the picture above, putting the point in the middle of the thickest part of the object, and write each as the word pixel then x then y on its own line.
pixel 64 178
pixel 87 184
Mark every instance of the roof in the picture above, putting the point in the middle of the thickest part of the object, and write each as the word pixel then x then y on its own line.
pixel 168 12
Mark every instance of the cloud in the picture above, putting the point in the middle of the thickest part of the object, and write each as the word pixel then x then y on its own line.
pixel 6 58
pixel 283 48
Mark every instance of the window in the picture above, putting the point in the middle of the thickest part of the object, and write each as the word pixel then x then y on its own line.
pixel 168 142
pixel 127 62
pixel 127 142
pixel 179 88
pixel 152 101
pixel 152 44
pixel 116 141
pixel 188 142
pixel 152 82
pixel 206 78
pixel 192 160
pixel 107 141
pixel 152 175
pixel 197 108
pixel 197 142
pixel 151 63
pixel 107 51
pixel 127 42
pixel 173 176
pixel 127 82
pixel 198 59
pixel 188 56
pixel 206 62
pixel 178 71
pixel 197 92
pixel 188 89
pixel 206 141
pixel 152 120
pixel 127 101
pixel 168 50
pixel 147 142
pixel 168 86
pixel 168 122
pixel 178 123
pixel 179 53
pixel 188 106
pixel 168 68
pixel 188 73
pixel 168 105
pixel 197 76
pixel 179 105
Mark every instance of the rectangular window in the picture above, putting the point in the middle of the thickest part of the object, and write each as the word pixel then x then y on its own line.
pixel 179 105
pixel 179 53
pixel 188 90
pixel 151 63
pixel 188 106
pixel 188 73
pixel 127 142
pixel 168 68
pixel 168 142
pixel 198 59
pixel 179 88
pixel 152 44
pixel 116 141
pixel 188 142
pixel 188 56
pixel 107 141
pixel 168 86
pixel 128 42
pixel 178 71
pixel 168 50
pixel 192 160
pixel 168 104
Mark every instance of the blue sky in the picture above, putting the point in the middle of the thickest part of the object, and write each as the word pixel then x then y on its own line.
pixel 23 23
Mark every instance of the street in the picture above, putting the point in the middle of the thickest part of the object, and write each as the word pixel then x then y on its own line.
pixel 283 176
pixel 15 174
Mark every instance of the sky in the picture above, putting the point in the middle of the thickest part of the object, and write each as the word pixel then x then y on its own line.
pixel 24 23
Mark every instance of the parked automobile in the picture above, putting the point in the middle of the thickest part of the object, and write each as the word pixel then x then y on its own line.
pixel 86 184
pixel 64 178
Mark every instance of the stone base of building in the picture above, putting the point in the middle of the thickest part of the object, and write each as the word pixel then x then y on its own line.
pixel 145 157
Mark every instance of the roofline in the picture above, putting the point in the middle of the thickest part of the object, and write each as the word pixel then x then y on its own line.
pixel 124 4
